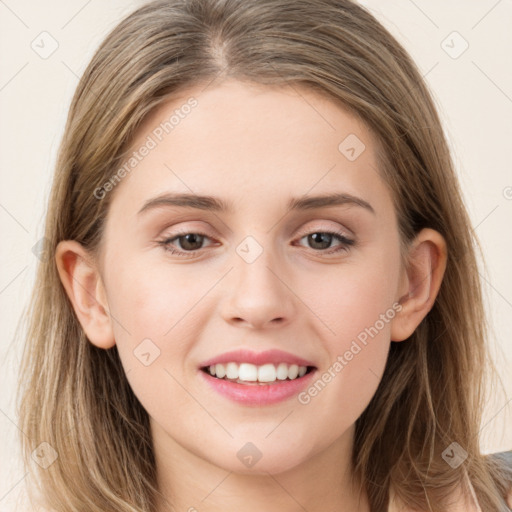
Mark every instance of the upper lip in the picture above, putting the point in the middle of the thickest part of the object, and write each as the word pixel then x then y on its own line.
pixel 257 358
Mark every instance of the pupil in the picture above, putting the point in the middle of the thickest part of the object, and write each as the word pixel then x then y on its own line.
pixel 191 238
pixel 317 238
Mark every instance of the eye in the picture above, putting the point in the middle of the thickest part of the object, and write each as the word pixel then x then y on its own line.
pixel 189 242
pixel 321 240
pixel 192 242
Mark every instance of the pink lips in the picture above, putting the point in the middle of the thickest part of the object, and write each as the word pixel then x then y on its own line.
pixel 257 358
pixel 258 394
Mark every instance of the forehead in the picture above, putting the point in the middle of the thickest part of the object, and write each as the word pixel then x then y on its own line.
pixel 250 143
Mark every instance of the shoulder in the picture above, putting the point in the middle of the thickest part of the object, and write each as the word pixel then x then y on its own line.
pixel 461 500
pixel 469 502
pixel 505 458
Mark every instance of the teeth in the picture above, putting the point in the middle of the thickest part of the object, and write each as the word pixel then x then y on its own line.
pixel 220 371
pixel 251 373
pixel 232 371
pixel 247 372
pixel 282 371
pixel 267 373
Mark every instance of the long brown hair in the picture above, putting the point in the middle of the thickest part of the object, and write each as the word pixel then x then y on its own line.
pixel 75 396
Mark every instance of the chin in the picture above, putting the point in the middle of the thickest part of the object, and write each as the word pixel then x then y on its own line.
pixel 260 457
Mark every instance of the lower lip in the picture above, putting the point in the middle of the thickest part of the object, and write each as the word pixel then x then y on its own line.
pixel 259 394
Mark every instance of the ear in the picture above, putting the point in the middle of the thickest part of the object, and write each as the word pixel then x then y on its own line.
pixel 84 287
pixel 420 282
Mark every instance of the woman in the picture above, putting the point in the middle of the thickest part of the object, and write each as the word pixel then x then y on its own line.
pixel 191 347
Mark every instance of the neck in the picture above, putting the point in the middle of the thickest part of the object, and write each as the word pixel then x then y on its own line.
pixel 323 481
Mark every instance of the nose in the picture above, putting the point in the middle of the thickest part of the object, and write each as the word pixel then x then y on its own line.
pixel 258 294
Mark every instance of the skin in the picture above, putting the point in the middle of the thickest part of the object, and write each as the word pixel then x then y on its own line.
pixel 256 147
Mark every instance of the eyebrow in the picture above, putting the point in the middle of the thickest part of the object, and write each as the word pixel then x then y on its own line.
pixel 210 203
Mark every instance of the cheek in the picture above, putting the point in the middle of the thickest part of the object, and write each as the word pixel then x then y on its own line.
pixel 154 329
pixel 357 357
pixel 153 317
pixel 356 308
pixel 354 296
pixel 152 300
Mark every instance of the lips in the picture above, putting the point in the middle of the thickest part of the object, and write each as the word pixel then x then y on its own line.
pixel 257 378
pixel 257 358
pixel 258 394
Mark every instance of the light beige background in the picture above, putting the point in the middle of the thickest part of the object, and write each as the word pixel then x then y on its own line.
pixel 473 92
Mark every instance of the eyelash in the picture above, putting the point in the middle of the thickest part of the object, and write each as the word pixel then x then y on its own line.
pixel 345 242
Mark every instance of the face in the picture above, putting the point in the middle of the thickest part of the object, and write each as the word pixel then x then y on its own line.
pixel 187 283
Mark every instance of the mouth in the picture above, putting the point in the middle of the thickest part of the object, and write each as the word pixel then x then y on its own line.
pixel 253 375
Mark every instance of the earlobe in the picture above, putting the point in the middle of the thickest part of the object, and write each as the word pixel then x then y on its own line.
pixel 81 280
pixel 421 282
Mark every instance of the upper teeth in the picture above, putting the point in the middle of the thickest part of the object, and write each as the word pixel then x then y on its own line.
pixel 252 373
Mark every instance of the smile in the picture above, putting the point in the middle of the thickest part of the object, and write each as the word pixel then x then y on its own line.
pixel 254 392
pixel 247 373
